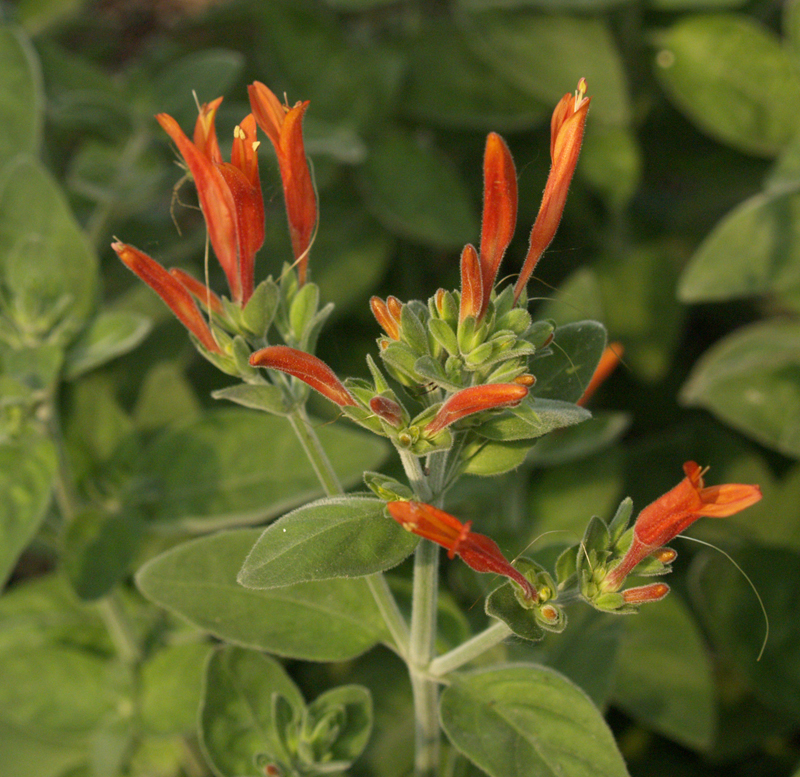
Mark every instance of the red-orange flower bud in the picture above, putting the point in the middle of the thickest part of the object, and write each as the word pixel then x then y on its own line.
pixel 387 410
pixel 473 400
pixel 476 550
pixel 382 315
pixel 471 284
pixel 608 363
pixel 499 211
pixel 284 128
pixel 566 136
pixel 306 367
pixel 171 290
pixel 676 510
pixel 207 298
pixel 645 593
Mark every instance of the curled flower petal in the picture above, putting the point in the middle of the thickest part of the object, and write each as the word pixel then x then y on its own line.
pixel 676 510
pixel 475 399
pixel 306 367
pixel 566 137
pixel 171 290
pixel 476 550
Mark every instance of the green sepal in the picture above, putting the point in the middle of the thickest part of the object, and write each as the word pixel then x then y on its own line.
pixel 522 350
pixel 241 352
pixel 506 372
pixel 620 520
pixel 540 333
pixel 614 603
pixel 259 312
pixel 516 320
pixel 470 334
pixel 412 331
pixel 503 605
pixel 399 360
pixel 363 416
pixel 430 368
pixel 650 567
pixel 444 335
pixel 503 303
pixel 477 357
pixel 266 397
pixel 285 720
pixel 596 535
pixel 308 343
pixel 386 488
pixel 450 309
pixel 381 384
pixel 221 361
pixel 303 309
pixel 567 567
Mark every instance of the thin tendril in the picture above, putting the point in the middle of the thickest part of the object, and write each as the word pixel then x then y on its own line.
pixel 749 582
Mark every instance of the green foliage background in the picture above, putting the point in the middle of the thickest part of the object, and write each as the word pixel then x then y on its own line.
pixel 681 235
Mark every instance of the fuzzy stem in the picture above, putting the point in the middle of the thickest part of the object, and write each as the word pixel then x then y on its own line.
pixel 469 650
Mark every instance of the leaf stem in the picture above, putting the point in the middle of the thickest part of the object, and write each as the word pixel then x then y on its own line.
pixel 470 649
pixel 119 629
pixel 315 452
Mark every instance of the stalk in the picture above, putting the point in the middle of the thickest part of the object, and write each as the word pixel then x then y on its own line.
pixel 469 650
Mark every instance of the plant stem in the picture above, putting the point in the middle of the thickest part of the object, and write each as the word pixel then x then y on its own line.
pixel 470 649
pixel 421 651
pixel 330 483
pixel 119 629
pixel 416 477
pixel 315 452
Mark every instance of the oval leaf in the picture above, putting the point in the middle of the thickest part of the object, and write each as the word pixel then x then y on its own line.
pixel 755 249
pixel 236 714
pixel 733 79
pixel 751 380
pixel 541 416
pixel 332 620
pixel 524 720
pixel 347 536
pixel 664 675
pixel 576 352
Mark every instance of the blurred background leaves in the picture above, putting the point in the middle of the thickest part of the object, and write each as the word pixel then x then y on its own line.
pixel 680 236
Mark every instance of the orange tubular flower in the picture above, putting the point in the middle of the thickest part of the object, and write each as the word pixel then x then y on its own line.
pixel 229 193
pixel 476 550
pixel 210 301
pixel 475 399
pixel 306 367
pixel 645 593
pixel 607 364
pixel 673 512
pixel 171 290
pixel 499 211
pixel 284 128
pixel 566 136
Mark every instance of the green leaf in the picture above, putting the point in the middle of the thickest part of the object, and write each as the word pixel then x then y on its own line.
pixel 349 709
pixel 703 5
pixel 236 717
pixel 528 721
pixel 170 687
pixel 415 193
pixel 732 614
pixel 209 73
pixel 751 380
pixel 561 5
pixel 544 416
pixel 755 249
pixel 21 96
pixel 46 264
pixel 165 398
pixel 586 652
pixel 27 469
pixel 268 398
pixel 233 466
pixel 98 550
pixel 495 458
pixel 546 54
pixel 566 373
pixel 578 442
pixel 345 536
pixel 664 677
pixel 333 620
pixel 31 752
pixel 732 78
pixel 449 86
pixel 109 335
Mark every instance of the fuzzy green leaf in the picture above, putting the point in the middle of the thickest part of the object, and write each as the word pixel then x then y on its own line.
pixel 546 415
pixel 346 536
pixel 528 721
pixel 332 620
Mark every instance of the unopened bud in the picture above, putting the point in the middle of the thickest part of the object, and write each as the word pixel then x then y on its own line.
pixel 645 593
pixel 666 555
pixel 526 379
